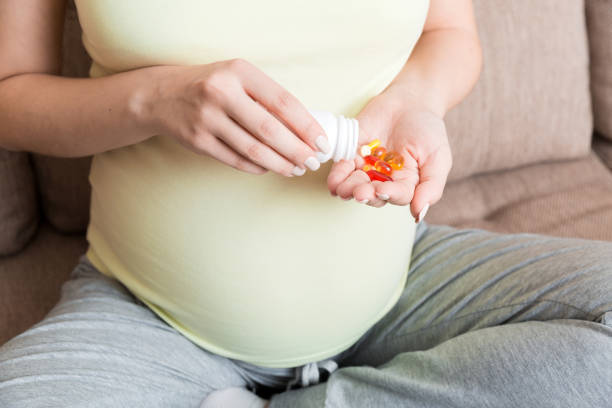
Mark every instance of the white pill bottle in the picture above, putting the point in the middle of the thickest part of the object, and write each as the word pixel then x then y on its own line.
pixel 342 134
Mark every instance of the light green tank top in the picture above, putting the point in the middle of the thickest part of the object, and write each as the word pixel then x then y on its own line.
pixel 266 269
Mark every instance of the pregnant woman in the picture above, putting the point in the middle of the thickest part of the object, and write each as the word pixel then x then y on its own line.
pixel 224 270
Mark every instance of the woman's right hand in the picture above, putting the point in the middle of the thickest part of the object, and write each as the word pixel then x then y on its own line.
pixel 235 113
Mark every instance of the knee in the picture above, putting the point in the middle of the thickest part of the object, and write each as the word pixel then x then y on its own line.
pixel 577 274
pixel 590 282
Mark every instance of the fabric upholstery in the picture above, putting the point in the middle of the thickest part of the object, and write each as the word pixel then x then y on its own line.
pixel 599 22
pixel 30 280
pixel 603 148
pixel 532 101
pixel 568 198
pixel 18 202
pixel 75 60
pixel 64 191
pixel 63 184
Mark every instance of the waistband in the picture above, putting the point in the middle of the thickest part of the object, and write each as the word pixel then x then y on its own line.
pixel 295 377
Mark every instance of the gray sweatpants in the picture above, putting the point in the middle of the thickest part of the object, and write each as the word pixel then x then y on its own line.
pixel 485 320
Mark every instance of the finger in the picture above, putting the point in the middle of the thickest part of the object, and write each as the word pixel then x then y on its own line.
pixel 432 179
pixel 359 162
pixel 245 144
pixel 400 191
pixel 345 188
pixel 217 149
pixel 265 127
pixel 339 172
pixel 366 191
pixel 283 105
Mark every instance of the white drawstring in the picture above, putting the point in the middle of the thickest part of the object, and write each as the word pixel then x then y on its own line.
pixel 308 374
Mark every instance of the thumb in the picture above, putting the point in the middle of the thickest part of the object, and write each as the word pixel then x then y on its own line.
pixel 373 123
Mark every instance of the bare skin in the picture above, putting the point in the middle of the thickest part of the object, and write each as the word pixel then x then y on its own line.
pixel 229 110
pixel 232 111
pixel 408 115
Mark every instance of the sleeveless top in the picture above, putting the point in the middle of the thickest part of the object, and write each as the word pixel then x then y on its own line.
pixel 266 269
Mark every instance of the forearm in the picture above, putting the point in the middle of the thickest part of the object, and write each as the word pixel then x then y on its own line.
pixel 72 117
pixel 441 71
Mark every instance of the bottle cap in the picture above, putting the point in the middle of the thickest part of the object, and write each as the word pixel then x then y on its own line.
pixel 342 134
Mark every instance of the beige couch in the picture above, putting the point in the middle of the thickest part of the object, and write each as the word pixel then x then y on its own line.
pixel 525 158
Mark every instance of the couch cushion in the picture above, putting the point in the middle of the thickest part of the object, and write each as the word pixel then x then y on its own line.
pixel 64 191
pixel 62 182
pixel 75 60
pixel 603 148
pixel 18 202
pixel 532 101
pixel 599 22
pixel 570 198
pixel 30 280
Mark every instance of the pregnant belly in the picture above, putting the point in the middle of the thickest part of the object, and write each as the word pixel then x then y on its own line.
pixel 262 268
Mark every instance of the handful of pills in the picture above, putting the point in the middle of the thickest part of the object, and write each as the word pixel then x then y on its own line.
pixel 379 163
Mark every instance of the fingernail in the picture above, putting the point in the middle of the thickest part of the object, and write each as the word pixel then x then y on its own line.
pixel 298 171
pixel 423 212
pixel 312 163
pixel 364 201
pixel 323 144
pixel 382 196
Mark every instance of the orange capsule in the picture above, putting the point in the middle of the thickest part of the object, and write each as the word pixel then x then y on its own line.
pixel 395 160
pixel 383 167
pixel 379 152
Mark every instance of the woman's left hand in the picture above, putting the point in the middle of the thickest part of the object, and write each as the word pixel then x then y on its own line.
pixel 410 129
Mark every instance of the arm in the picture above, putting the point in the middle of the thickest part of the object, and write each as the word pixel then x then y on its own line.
pixel 44 113
pixel 408 115
pixel 229 110
pixel 446 61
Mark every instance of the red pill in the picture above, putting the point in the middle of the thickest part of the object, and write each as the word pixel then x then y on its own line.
pixel 371 160
pixel 376 175
pixel 383 167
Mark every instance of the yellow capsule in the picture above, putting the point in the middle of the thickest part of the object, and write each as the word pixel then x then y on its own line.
pixel 367 167
pixel 374 143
